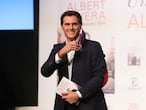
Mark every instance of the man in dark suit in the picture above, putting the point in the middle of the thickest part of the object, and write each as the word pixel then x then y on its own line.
pixel 80 60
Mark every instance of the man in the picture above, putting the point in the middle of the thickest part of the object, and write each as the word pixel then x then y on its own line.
pixel 87 67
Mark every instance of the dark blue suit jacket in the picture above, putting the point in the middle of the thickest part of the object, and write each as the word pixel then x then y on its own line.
pixel 88 71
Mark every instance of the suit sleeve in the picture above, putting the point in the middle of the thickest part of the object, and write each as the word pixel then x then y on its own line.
pixel 98 66
pixel 50 65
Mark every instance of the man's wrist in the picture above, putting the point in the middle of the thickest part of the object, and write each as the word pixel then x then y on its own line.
pixel 60 55
pixel 57 58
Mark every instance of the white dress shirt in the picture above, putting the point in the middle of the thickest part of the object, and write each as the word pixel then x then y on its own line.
pixel 70 57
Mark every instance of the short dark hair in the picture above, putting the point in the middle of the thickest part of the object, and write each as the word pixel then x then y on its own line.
pixel 71 13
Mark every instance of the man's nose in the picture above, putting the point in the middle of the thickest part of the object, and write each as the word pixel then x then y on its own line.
pixel 70 26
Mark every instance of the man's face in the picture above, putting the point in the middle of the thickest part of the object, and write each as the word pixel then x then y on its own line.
pixel 71 27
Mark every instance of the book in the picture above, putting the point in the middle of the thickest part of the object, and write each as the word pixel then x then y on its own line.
pixel 64 85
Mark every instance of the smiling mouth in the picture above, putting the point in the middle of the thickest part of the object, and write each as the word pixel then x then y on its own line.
pixel 71 32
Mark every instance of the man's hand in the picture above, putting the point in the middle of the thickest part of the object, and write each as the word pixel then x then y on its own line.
pixel 70 46
pixel 70 96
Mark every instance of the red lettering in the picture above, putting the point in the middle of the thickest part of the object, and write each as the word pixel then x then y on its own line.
pixel 82 6
pixel 94 15
pixel 133 21
pixel 70 7
pixel 89 5
pixel 95 5
pixel 142 21
pixel 102 4
pixel 91 10
pixel 101 15
pixel 86 16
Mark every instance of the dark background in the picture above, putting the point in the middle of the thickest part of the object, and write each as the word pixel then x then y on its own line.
pixel 19 65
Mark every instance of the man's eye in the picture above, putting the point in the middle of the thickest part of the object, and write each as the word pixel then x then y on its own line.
pixel 75 24
pixel 67 24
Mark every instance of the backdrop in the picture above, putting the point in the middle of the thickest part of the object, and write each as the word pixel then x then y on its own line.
pixel 120 27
